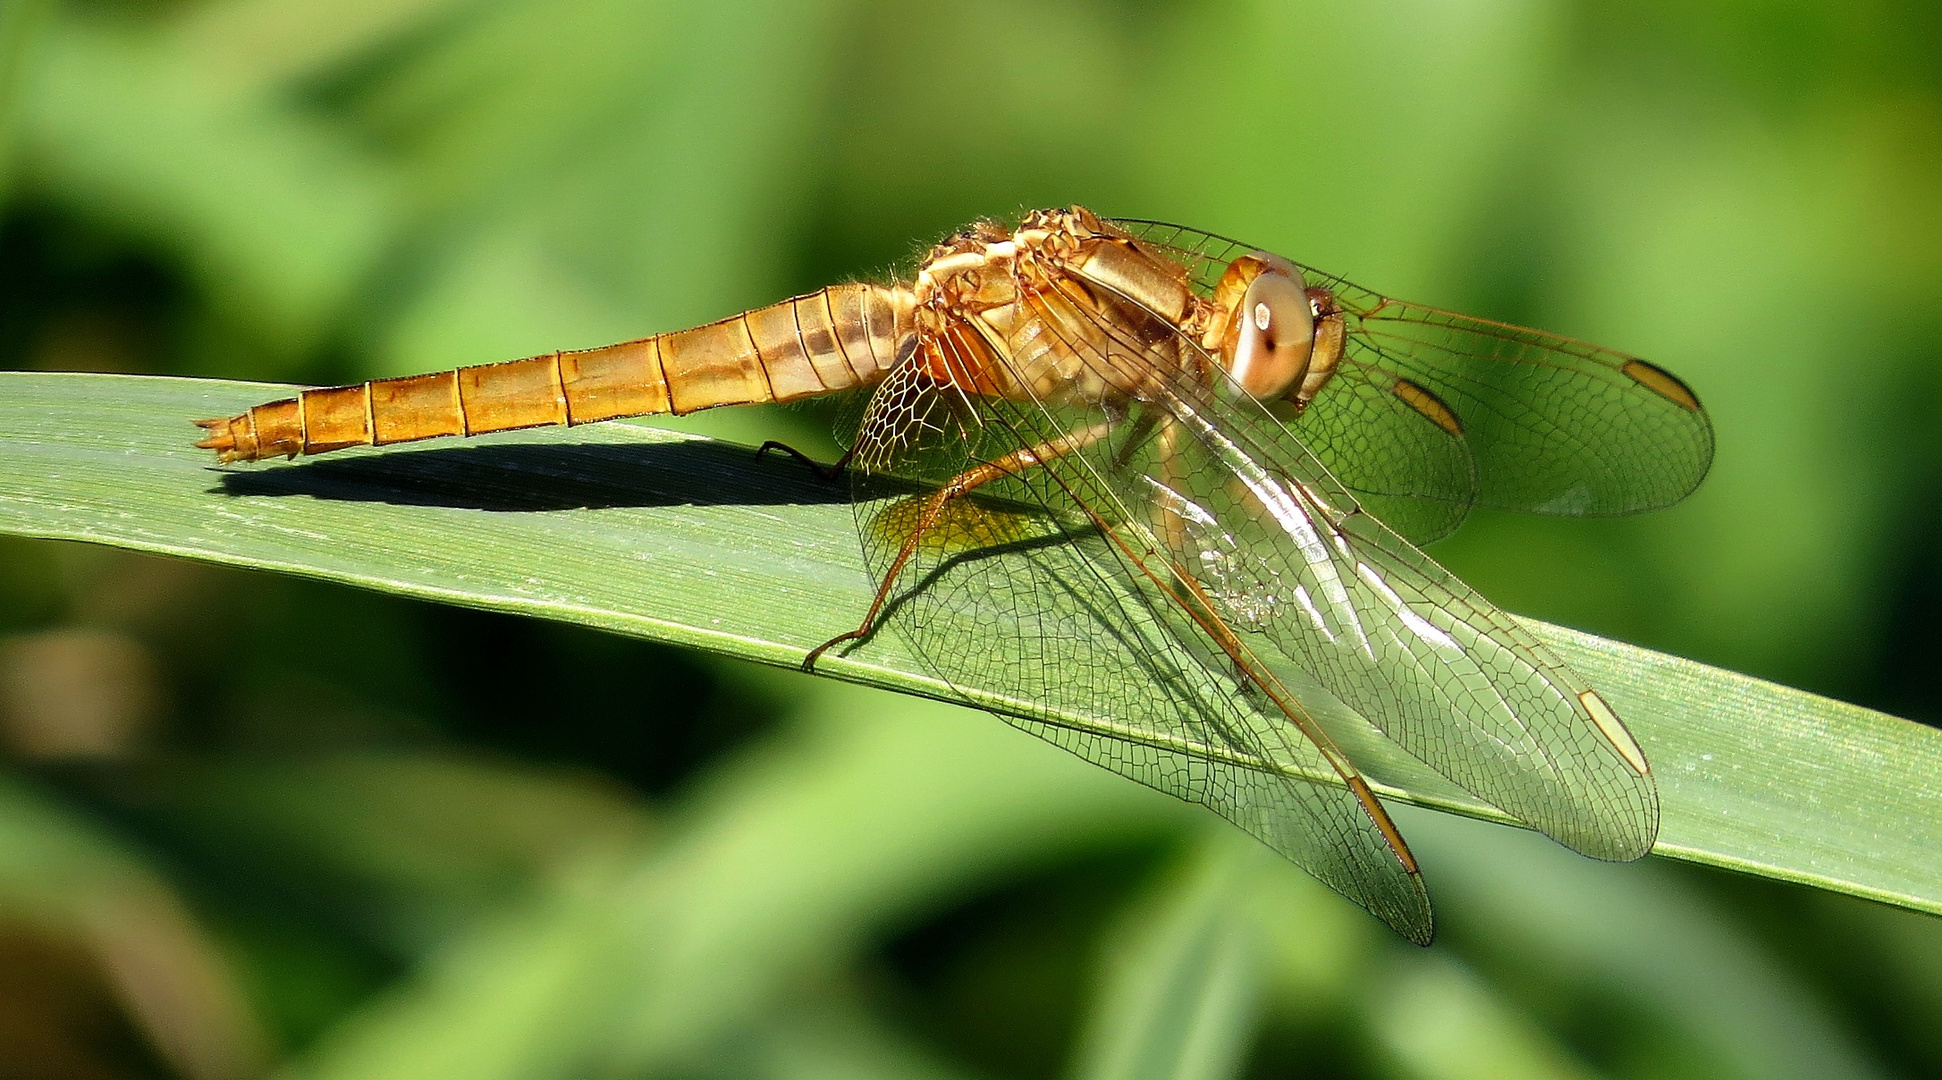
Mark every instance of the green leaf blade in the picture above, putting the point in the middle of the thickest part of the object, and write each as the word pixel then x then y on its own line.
pixel 665 536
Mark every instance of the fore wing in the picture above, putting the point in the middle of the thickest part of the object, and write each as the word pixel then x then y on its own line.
pixel 1546 423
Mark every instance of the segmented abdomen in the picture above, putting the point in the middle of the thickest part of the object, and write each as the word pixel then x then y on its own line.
pixel 837 338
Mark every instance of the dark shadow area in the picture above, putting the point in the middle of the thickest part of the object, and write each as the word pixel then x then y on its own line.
pixel 530 478
pixel 1907 680
pixel 1034 937
pixel 929 582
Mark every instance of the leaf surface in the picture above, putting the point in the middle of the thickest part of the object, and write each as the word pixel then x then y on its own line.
pixel 684 540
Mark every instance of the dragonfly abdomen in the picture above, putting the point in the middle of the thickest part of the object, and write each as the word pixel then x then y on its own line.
pixel 835 339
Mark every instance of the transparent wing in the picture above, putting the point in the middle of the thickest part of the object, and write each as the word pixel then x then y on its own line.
pixel 1405 468
pixel 1288 557
pixel 1549 424
pixel 1025 598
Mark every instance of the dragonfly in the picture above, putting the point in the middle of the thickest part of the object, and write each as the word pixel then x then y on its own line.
pixel 1158 496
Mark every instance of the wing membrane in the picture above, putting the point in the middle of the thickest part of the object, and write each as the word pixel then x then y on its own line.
pixel 1552 425
pixel 1292 559
pixel 1146 585
pixel 1020 597
pixel 1391 453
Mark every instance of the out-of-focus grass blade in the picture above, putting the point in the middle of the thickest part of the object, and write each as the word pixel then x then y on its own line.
pixel 1182 979
pixel 532 132
pixel 871 810
pixel 410 844
pixel 1641 933
pixel 70 878
pixel 823 1036
pixel 20 23
pixel 1436 1022
pixel 688 541
pixel 868 812
pixel 279 216
pixel 261 46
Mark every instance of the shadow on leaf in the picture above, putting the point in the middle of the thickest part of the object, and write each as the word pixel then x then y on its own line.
pixel 532 478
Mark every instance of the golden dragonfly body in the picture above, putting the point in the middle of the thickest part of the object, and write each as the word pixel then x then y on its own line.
pixel 1126 470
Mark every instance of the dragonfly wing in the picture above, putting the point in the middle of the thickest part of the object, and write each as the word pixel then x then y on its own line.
pixel 1019 597
pixel 1557 426
pixel 1290 558
pixel 1205 255
pixel 1553 425
pixel 1423 657
pixel 1390 451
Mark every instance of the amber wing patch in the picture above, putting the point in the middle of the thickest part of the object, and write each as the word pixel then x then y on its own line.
pixel 1431 406
pixel 1662 382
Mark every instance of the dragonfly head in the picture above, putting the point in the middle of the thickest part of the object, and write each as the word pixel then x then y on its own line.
pixel 1270 335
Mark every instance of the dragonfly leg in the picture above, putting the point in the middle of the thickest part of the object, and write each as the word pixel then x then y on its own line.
pixel 827 472
pixel 956 488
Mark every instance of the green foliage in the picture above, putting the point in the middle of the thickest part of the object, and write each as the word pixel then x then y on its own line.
pixel 699 543
pixel 247 819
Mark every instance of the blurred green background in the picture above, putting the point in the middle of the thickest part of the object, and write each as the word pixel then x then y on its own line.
pixel 385 839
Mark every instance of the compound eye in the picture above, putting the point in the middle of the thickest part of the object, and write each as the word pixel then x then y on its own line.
pixel 1273 331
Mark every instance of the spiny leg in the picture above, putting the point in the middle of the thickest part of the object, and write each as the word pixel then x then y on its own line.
pixel 827 472
pixel 957 487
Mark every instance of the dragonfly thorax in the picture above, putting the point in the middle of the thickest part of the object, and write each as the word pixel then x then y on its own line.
pixel 1063 310
pixel 1024 314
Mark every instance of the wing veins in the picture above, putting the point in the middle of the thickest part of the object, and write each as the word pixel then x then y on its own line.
pixel 1554 687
